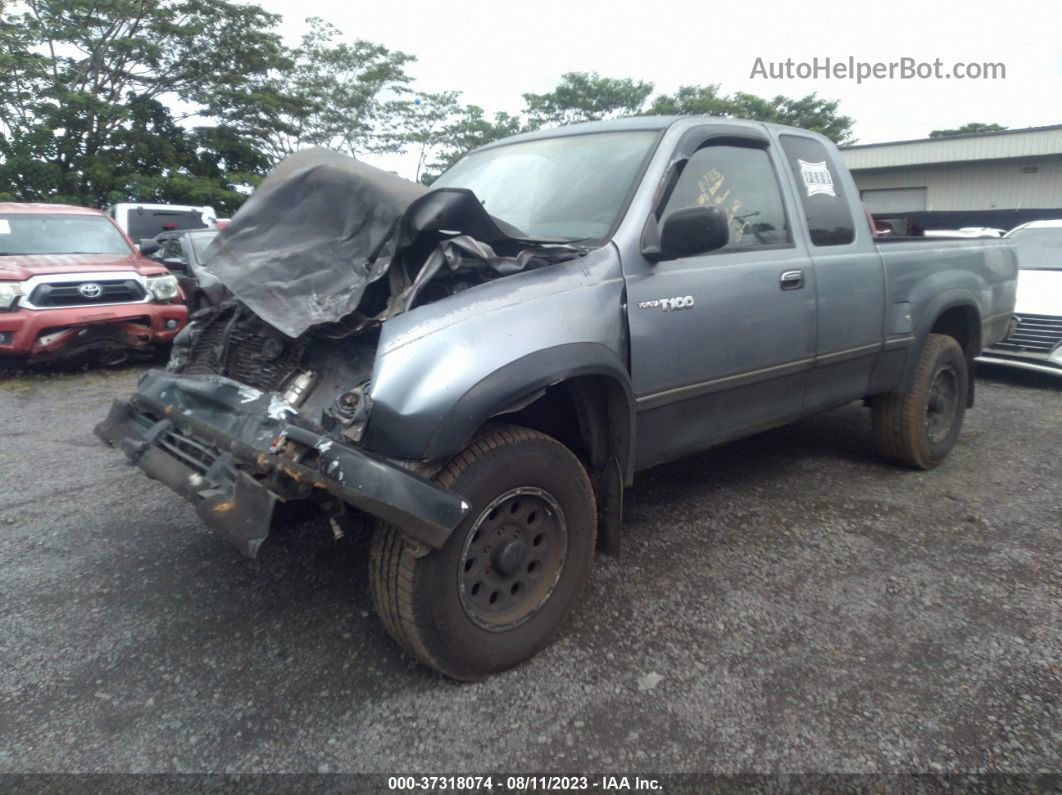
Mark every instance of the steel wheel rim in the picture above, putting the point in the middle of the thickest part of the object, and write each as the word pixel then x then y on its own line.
pixel 942 404
pixel 512 559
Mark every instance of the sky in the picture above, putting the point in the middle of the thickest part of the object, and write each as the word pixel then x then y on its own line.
pixel 495 50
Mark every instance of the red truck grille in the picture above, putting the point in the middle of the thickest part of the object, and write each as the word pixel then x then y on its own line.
pixel 1034 334
pixel 113 291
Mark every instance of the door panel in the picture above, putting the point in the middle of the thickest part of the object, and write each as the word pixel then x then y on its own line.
pixel 737 357
pixel 722 341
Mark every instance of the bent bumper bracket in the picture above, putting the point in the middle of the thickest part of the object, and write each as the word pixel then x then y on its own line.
pixel 239 427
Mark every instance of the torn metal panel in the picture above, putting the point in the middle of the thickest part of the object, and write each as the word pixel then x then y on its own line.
pixel 307 245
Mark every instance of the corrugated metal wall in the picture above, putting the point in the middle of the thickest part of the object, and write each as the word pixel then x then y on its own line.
pixel 983 185
pixel 1035 142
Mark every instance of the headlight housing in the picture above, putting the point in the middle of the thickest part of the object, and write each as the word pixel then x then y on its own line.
pixel 163 288
pixel 10 292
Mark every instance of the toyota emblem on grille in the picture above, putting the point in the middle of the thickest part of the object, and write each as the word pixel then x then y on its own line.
pixel 90 290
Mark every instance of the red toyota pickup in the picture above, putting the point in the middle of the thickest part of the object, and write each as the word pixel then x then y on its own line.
pixel 71 281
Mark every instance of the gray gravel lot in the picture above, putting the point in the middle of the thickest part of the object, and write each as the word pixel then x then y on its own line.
pixel 784 603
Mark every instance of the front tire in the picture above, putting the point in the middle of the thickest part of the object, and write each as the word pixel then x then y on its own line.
pixel 509 575
pixel 918 428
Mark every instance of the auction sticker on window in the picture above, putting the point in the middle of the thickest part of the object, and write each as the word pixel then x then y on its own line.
pixel 817 178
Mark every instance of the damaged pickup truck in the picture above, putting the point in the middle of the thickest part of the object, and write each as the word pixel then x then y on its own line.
pixel 481 368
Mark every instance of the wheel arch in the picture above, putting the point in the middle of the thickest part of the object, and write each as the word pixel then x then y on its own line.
pixel 959 318
pixel 579 394
pixel 589 375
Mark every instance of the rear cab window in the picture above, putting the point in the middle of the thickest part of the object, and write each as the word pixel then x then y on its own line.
pixel 144 223
pixel 822 196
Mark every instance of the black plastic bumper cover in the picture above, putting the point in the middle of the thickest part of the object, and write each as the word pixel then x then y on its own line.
pixel 236 430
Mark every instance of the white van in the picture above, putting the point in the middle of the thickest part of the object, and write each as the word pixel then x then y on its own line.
pixel 143 221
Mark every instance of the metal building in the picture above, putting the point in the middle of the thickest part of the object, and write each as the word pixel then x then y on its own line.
pixel 998 179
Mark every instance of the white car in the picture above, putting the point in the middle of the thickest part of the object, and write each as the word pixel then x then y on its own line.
pixel 1035 343
pixel 967 231
pixel 143 221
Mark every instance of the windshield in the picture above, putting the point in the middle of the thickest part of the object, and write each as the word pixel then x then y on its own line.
pixel 572 187
pixel 59 234
pixel 1039 249
pixel 200 242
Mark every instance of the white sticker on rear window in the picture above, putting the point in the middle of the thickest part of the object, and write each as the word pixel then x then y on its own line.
pixel 5 227
pixel 817 178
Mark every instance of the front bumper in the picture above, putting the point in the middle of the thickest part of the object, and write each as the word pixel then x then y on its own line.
pixel 1039 364
pixel 235 452
pixel 47 333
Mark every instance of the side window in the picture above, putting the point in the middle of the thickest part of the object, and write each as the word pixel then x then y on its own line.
pixel 825 206
pixel 171 249
pixel 740 181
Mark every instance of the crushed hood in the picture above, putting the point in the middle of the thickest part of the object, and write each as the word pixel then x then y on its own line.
pixel 322 227
pixel 304 246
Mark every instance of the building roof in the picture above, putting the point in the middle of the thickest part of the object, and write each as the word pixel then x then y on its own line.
pixel 1001 145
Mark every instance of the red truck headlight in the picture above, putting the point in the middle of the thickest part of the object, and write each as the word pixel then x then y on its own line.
pixel 10 292
pixel 163 288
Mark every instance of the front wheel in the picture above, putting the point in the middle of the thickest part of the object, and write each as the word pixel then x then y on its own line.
pixel 509 575
pixel 918 428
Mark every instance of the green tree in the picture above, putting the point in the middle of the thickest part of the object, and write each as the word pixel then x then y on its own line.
pixel 468 129
pixel 85 102
pixel 424 124
pixel 345 96
pixel 972 127
pixel 810 112
pixel 585 96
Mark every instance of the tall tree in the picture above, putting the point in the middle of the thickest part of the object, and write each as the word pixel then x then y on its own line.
pixel 87 84
pixel 810 112
pixel 346 96
pixel 586 96
pixel 468 129
pixel 972 127
pixel 424 122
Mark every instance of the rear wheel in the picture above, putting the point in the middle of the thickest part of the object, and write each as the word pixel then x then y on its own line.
pixel 509 575
pixel 918 428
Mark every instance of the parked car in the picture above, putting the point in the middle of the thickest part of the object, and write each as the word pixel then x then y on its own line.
pixel 70 282
pixel 1035 342
pixel 142 221
pixel 182 254
pixel 482 367
pixel 966 231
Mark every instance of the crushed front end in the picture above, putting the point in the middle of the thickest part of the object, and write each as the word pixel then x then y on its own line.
pixel 267 397
pixel 236 452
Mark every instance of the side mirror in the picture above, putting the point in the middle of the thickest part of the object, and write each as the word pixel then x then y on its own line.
pixel 148 246
pixel 175 264
pixel 693 230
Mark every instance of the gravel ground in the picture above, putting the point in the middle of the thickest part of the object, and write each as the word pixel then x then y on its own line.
pixel 784 603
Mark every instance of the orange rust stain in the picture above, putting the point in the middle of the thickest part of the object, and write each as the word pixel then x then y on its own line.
pixel 224 507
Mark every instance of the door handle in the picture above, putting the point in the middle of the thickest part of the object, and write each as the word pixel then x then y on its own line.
pixel 792 280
